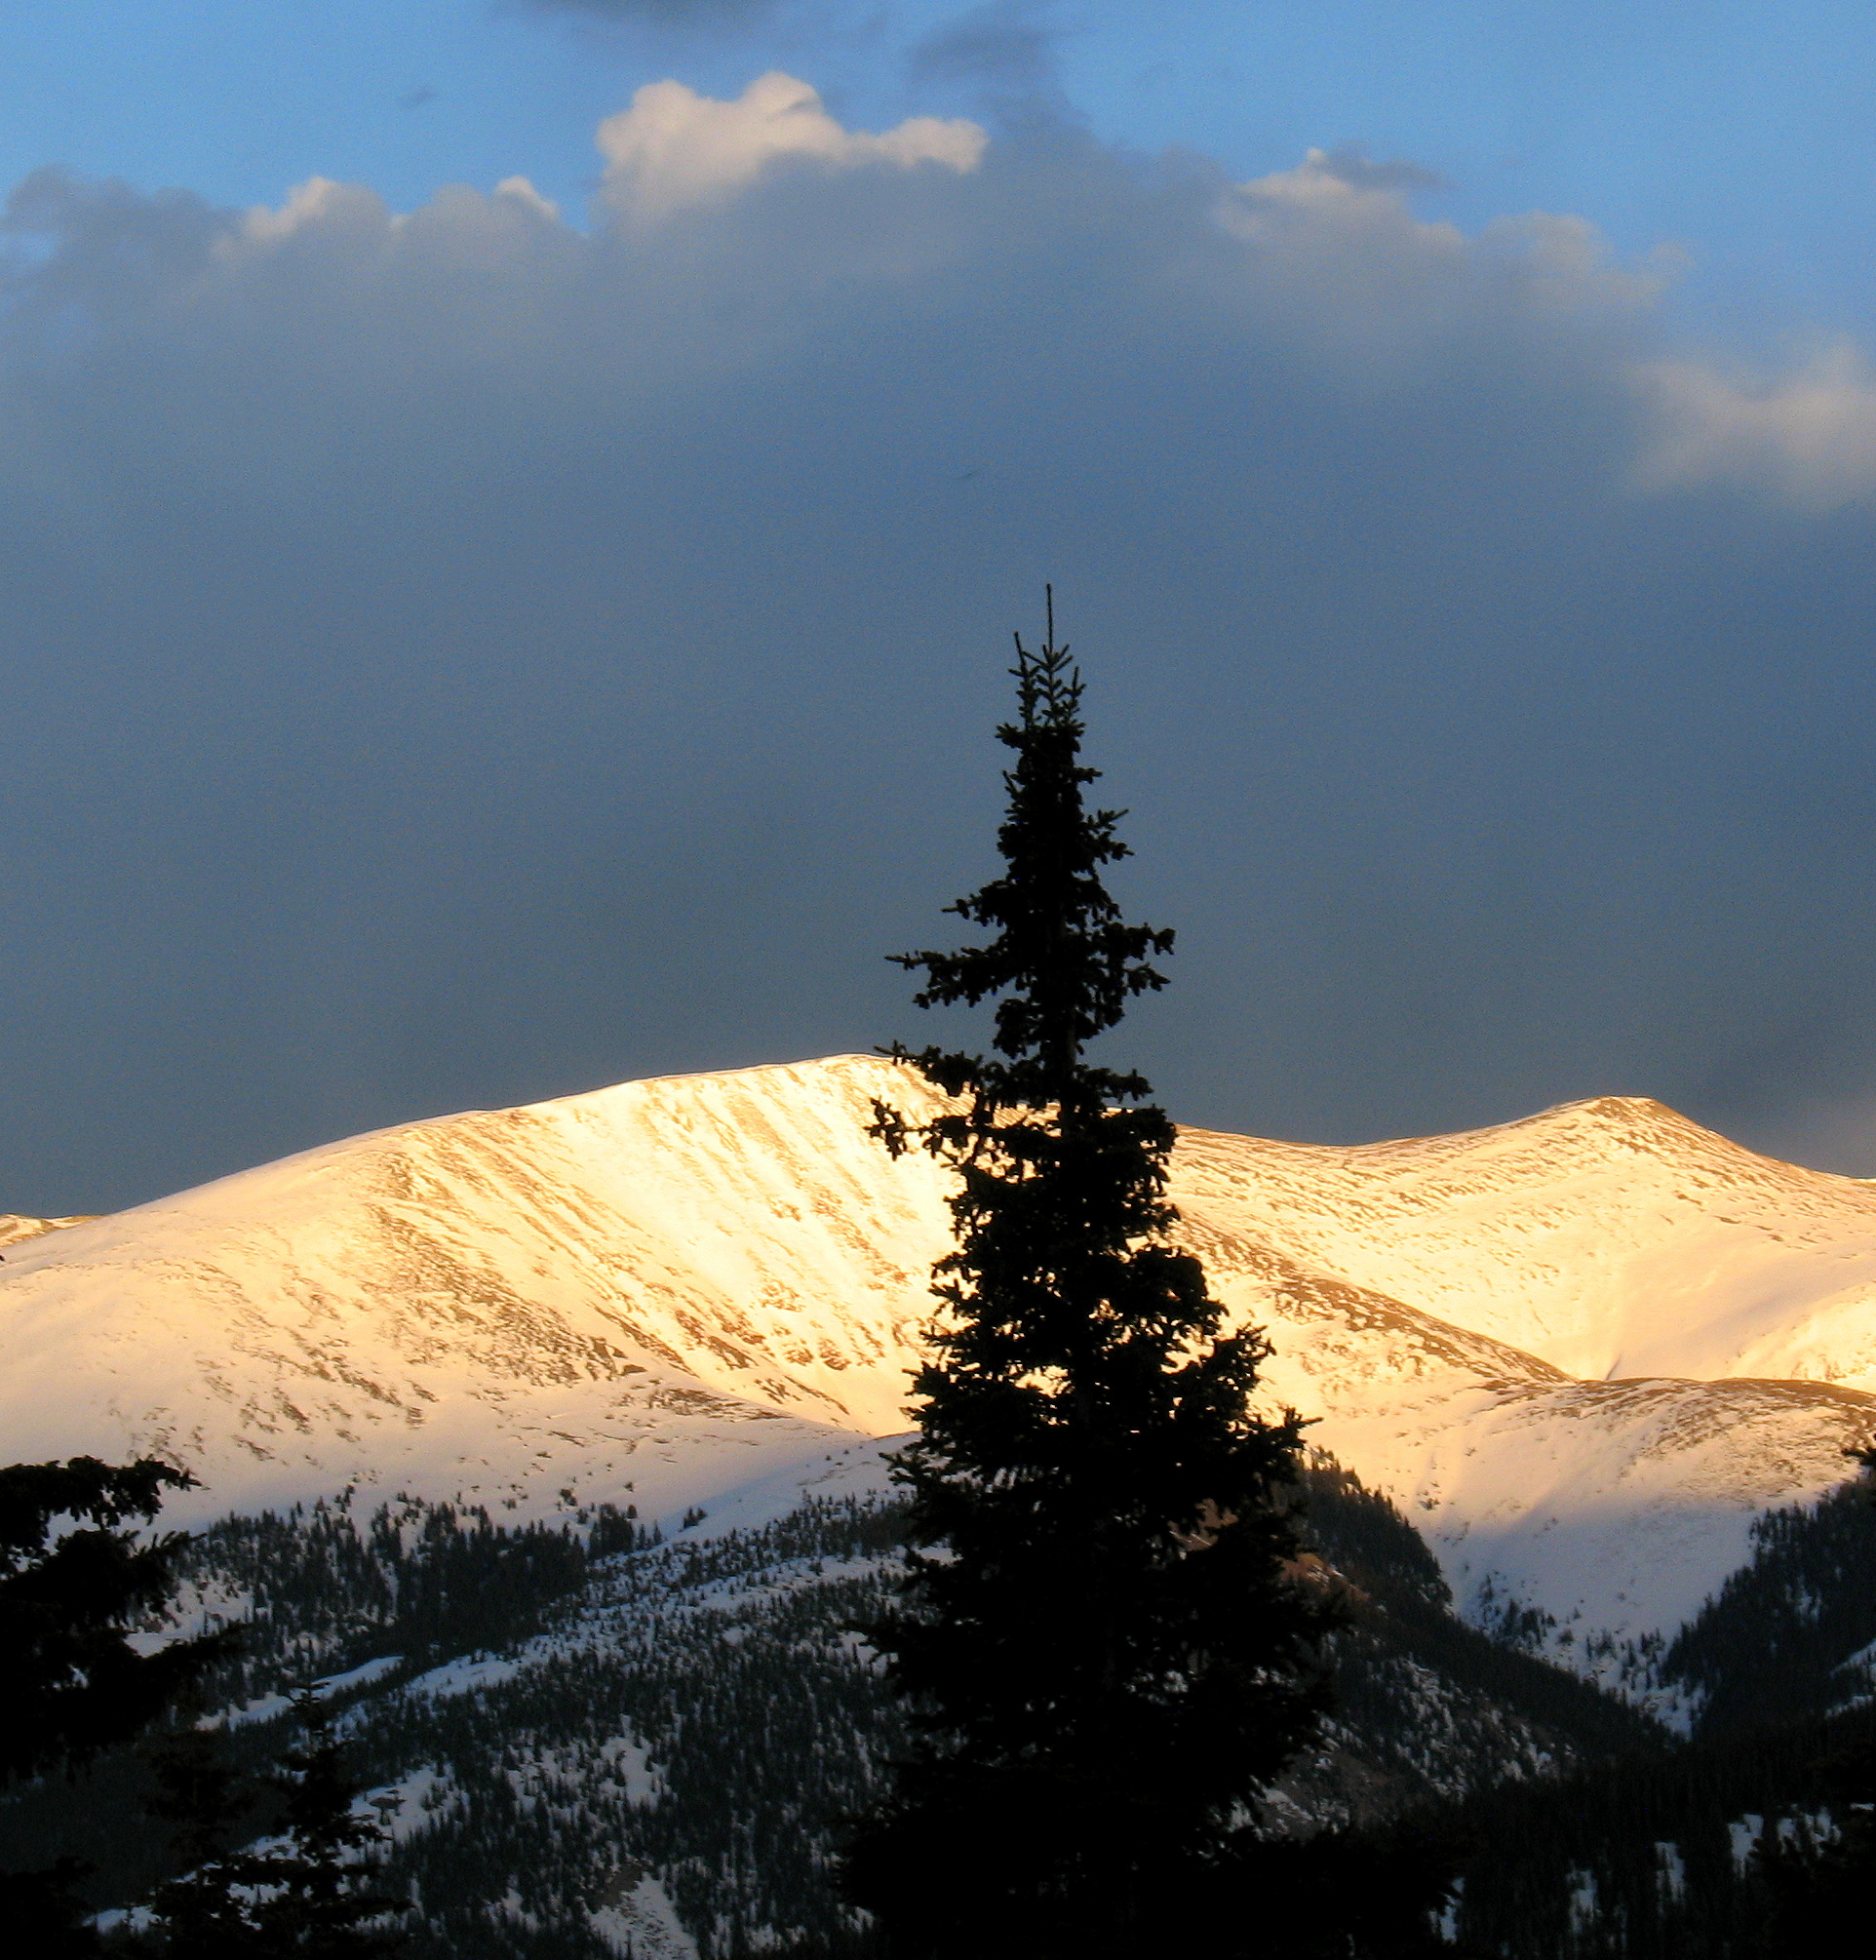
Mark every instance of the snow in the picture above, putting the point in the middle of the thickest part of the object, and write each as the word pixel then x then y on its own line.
pixel 501 1307
pixel 1743 1833
pixel 857 1470
pixel 407 1807
pixel 1614 1238
pixel 628 1765
pixel 643 1923
pixel 465 1675
pixel 15 1228
pixel 358 1677
pixel 1673 1869
pixel 264 1708
pixel 1581 1351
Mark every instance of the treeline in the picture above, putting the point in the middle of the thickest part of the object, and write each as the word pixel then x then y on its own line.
pixel 1784 1639
pixel 698 1713
pixel 693 1712
pixel 704 1719
pixel 1650 1858
pixel 307 1594
pixel 316 1592
pixel 1494 1712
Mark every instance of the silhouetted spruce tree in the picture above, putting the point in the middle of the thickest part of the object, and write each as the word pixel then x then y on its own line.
pixel 75 1575
pixel 1104 1659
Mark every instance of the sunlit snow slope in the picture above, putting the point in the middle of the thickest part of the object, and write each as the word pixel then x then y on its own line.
pixel 1613 1237
pixel 691 1286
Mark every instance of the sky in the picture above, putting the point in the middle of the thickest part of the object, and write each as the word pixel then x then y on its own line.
pixel 512 514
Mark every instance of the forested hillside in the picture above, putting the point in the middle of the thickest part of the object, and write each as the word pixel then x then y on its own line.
pixel 588 1740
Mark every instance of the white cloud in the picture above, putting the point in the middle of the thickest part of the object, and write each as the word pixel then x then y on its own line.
pixel 1809 435
pixel 1319 203
pixel 1565 261
pixel 673 147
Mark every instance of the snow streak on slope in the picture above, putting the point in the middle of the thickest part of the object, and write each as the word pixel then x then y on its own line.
pixel 675 1287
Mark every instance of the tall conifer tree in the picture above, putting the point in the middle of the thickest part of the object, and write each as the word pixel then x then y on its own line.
pixel 1105 1660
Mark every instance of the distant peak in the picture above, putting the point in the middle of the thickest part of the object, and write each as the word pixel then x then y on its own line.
pixel 1637 1121
pixel 15 1228
pixel 1640 1123
pixel 1624 1110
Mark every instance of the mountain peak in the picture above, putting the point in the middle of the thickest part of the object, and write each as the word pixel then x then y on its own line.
pixel 1624 1112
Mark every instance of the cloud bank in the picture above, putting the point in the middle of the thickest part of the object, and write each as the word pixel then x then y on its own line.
pixel 464 655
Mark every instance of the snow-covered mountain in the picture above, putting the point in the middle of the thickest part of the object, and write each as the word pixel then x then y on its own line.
pixel 1581 1351
pixel 1612 1239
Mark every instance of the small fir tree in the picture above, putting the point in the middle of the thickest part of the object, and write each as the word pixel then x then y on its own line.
pixel 321 1903
pixel 1104 1655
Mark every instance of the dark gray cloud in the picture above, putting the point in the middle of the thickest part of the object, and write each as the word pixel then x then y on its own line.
pixel 461 659
pixel 1004 45
pixel 1352 163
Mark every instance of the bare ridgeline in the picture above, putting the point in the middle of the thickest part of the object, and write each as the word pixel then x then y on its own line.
pixel 548 1438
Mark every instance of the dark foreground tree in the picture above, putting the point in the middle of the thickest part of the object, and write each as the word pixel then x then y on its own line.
pixel 206 1911
pixel 68 1598
pixel 1104 1655
pixel 75 1577
pixel 311 1895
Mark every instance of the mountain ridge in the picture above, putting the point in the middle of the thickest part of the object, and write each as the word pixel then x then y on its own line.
pixel 671 1288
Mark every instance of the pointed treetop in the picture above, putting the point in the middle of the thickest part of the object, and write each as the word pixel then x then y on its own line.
pixel 1063 963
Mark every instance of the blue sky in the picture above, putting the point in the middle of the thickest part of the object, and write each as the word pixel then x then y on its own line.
pixel 510 522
